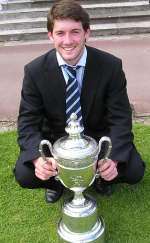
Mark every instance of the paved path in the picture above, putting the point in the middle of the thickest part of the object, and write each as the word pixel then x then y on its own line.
pixel 134 51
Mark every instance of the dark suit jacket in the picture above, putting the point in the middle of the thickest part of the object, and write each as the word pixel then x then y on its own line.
pixel 104 102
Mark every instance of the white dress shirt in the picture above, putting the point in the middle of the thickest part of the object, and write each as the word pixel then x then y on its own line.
pixel 79 71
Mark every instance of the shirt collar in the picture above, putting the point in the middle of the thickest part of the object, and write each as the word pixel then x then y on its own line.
pixel 81 62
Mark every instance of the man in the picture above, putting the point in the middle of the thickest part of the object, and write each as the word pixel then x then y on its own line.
pixel 103 105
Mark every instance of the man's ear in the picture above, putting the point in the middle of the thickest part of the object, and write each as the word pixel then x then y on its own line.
pixel 50 36
pixel 87 34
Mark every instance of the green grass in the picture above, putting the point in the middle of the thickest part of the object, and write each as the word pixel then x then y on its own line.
pixel 26 218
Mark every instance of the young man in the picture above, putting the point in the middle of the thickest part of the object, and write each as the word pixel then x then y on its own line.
pixel 103 105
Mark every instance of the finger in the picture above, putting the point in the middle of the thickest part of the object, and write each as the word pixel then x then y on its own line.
pixel 48 170
pixel 44 165
pixel 48 166
pixel 111 176
pixel 102 161
pixel 42 161
pixel 42 168
pixel 53 162
pixel 39 162
pixel 104 165
pixel 45 173
pixel 109 170
pixel 41 176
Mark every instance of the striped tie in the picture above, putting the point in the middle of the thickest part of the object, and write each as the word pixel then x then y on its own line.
pixel 72 95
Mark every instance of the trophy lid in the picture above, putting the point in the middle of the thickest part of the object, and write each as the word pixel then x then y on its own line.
pixel 75 146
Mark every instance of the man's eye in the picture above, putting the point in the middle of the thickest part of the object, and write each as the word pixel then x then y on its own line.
pixel 76 32
pixel 59 33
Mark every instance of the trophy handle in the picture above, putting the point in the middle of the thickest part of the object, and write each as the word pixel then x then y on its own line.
pixel 106 156
pixel 42 143
pixel 105 139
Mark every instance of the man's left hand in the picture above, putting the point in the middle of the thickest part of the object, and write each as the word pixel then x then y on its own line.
pixel 107 169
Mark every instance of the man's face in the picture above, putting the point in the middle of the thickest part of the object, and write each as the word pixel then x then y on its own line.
pixel 69 39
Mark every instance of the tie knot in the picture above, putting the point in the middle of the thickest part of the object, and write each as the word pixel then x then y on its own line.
pixel 72 70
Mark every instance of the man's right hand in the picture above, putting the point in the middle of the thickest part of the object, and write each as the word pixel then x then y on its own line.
pixel 45 169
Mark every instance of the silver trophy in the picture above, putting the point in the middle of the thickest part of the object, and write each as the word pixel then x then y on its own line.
pixel 76 157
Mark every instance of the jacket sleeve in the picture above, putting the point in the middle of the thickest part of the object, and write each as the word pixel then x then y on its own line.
pixel 119 116
pixel 30 119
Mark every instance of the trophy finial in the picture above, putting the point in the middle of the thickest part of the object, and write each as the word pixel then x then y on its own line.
pixel 74 127
pixel 73 117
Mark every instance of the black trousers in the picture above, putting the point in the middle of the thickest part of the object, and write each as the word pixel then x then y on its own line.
pixel 130 172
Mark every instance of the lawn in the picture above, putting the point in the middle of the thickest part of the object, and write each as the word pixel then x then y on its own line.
pixel 26 218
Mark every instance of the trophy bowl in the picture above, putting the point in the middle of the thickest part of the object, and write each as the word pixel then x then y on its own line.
pixel 76 156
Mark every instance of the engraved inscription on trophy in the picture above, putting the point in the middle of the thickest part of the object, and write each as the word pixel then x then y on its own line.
pixel 77 180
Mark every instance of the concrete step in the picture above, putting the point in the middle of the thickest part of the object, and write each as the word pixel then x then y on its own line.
pixel 24 4
pixel 28 4
pixel 91 8
pixel 107 18
pixel 23 13
pixel 25 23
pixel 97 30
pixel 19 4
pixel 121 28
pixel 116 7
pixel 135 16
pixel 40 22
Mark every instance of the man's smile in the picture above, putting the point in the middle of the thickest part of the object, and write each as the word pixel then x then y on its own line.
pixel 68 48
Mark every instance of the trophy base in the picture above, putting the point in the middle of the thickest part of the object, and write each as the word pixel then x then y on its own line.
pixel 95 235
pixel 80 221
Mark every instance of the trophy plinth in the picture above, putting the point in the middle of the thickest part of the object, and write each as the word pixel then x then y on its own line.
pixel 80 222
pixel 76 157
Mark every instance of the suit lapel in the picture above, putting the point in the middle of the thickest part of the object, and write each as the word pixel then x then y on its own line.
pixel 90 82
pixel 56 82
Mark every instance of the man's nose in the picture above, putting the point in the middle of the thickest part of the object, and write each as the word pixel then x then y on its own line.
pixel 68 38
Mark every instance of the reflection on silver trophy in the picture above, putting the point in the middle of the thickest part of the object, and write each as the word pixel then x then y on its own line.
pixel 77 156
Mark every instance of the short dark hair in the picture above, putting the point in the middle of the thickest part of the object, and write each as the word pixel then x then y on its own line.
pixel 67 9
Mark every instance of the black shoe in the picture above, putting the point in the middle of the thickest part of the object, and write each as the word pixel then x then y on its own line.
pixel 53 195
pixel 102 187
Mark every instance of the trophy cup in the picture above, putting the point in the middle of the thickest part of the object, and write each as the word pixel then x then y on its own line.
pixel 76 157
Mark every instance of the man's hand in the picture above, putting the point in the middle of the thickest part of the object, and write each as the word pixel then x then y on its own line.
pixel 45 169
pixel 107 169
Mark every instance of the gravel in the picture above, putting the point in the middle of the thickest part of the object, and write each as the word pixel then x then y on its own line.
pixel 12 125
